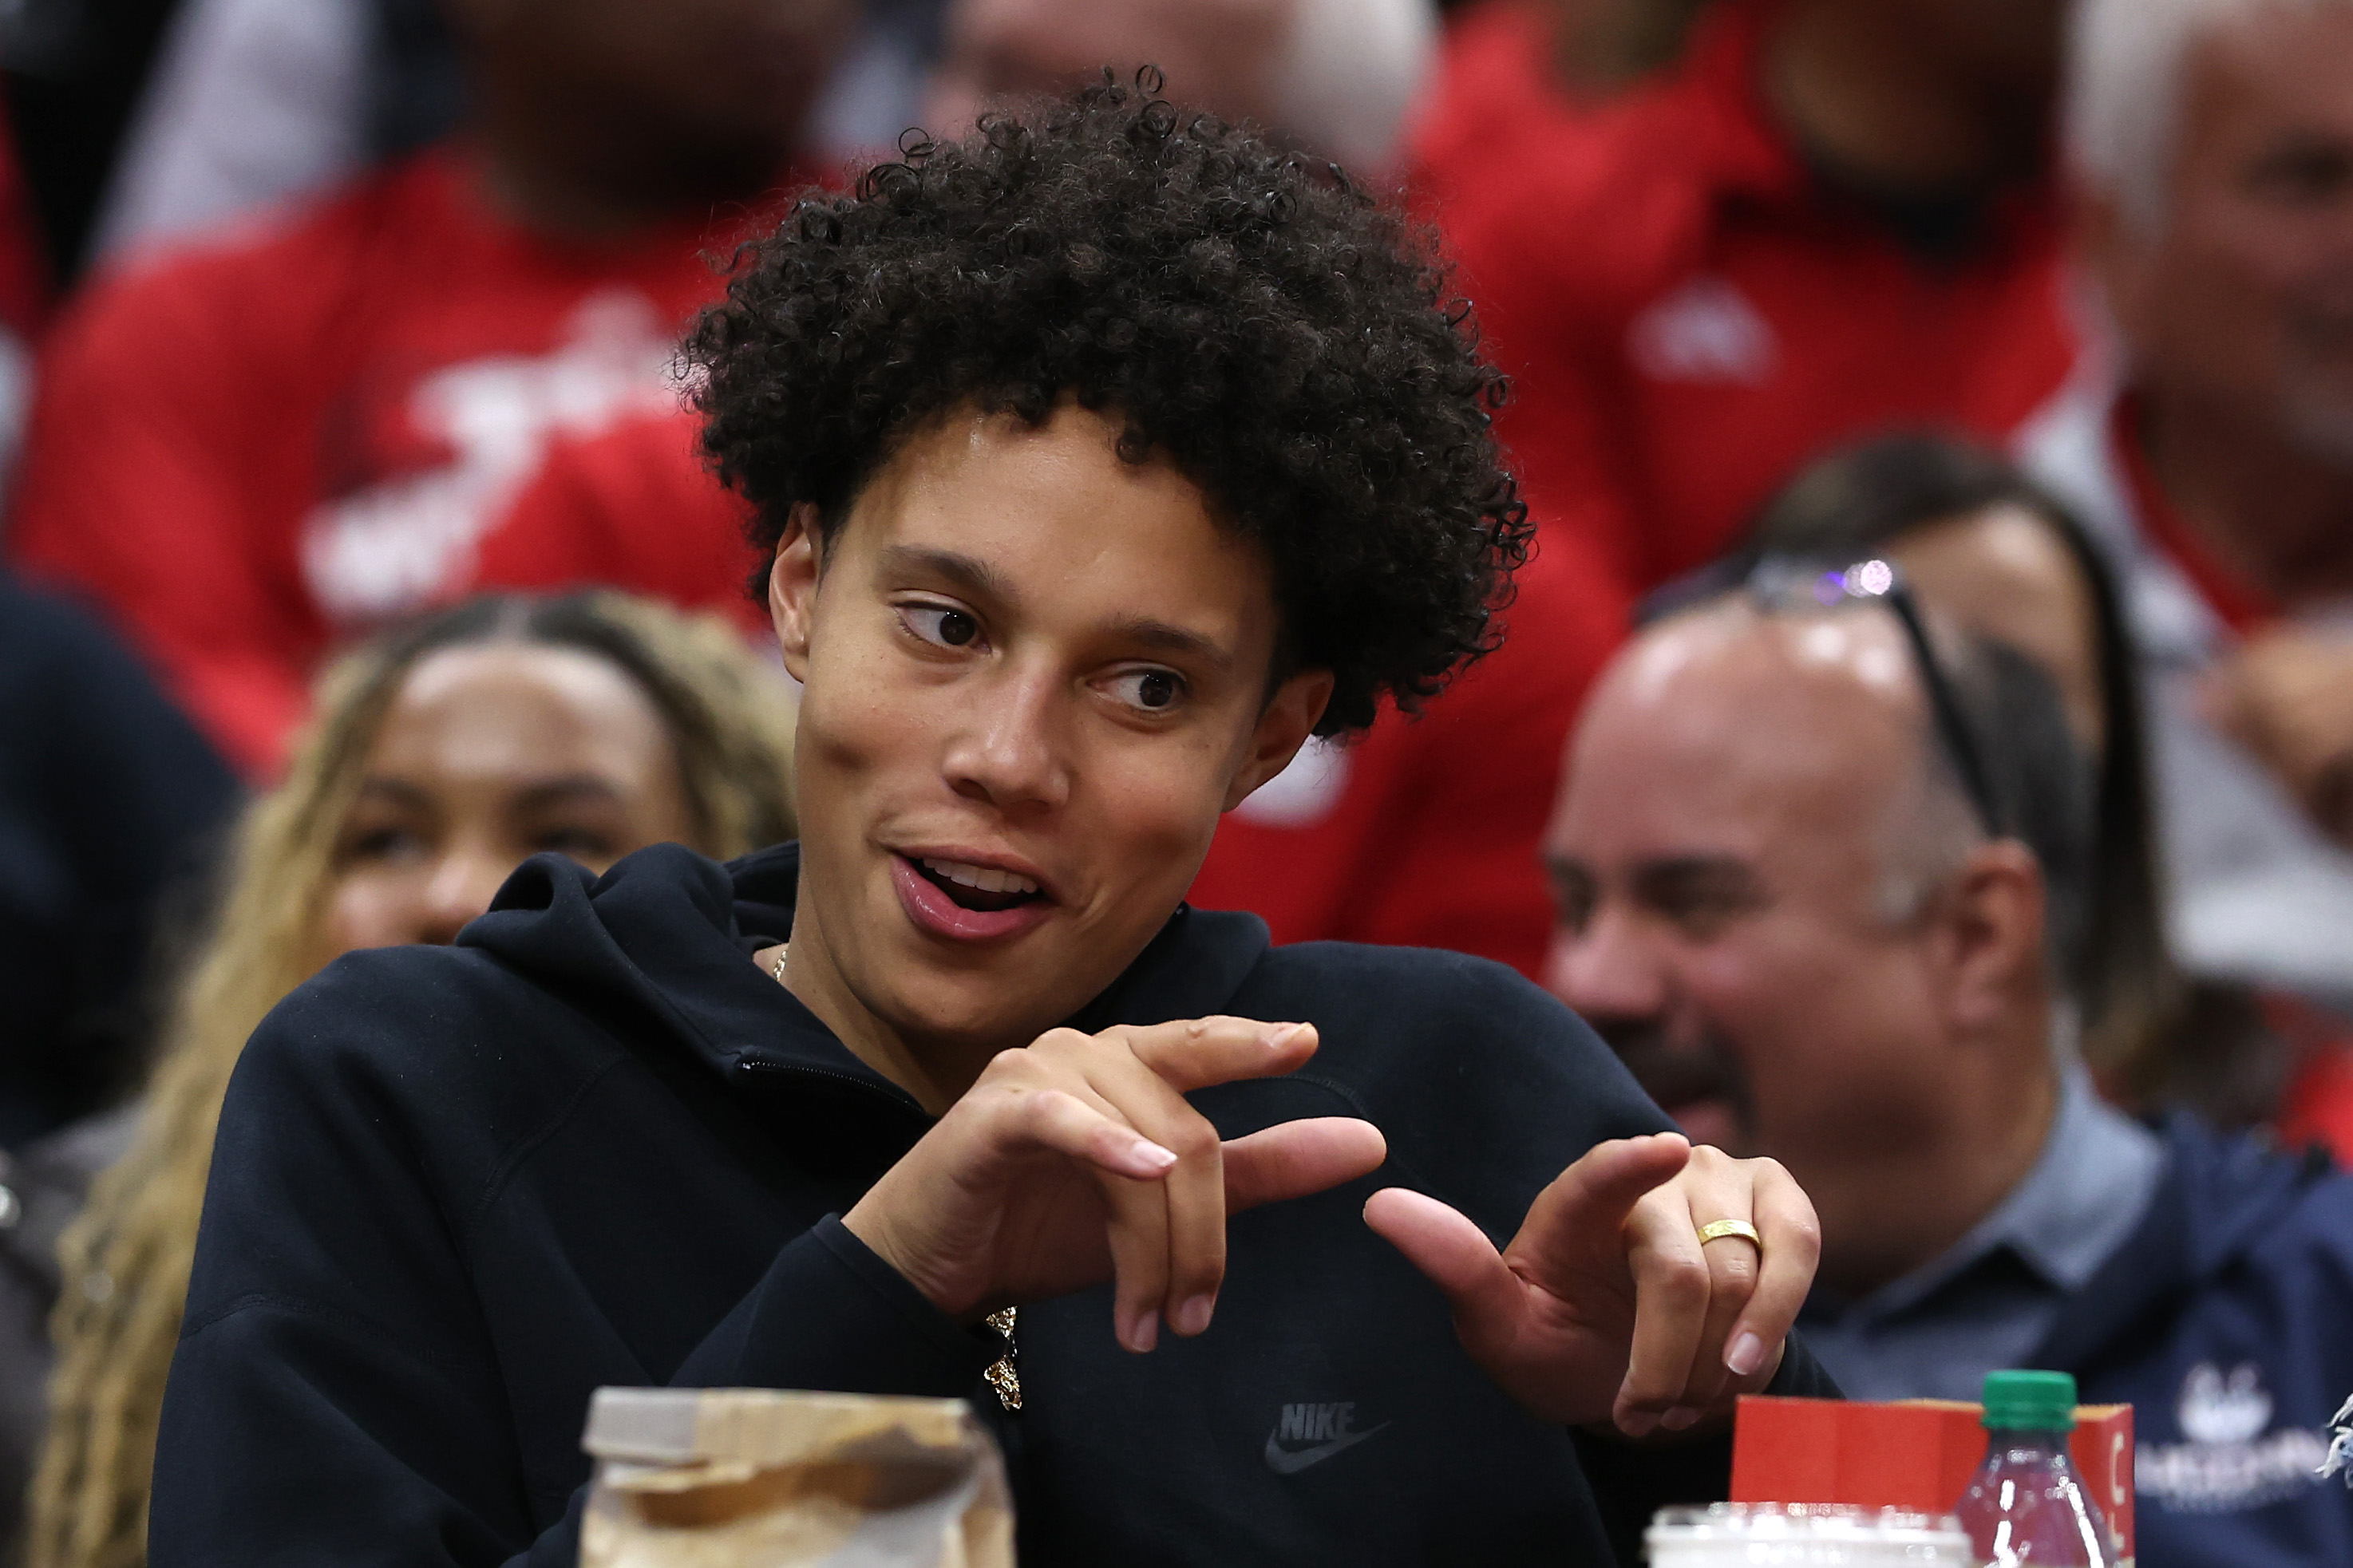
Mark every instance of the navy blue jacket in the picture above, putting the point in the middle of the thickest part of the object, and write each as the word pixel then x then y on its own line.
pixel 110 801
pixel 456 1189
pixel 2226 1322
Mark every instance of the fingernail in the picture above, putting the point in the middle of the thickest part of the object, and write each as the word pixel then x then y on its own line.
pixel 1146 1334
pixel 1279 1035
pixel 1147 1152
pixel 1638 1423
pixel 1193 1313
pixel 1681 1418
pixel 1745 1356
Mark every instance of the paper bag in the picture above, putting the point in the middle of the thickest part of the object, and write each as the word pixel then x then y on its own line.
pixel 743 1477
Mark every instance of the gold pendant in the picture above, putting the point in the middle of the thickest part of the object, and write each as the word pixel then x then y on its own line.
pixel 1004 1375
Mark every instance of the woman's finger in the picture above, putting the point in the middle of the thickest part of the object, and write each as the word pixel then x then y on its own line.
pixel 1293 1159
pixel 1137 1230
pixel 1193 1190
pixel 1074 1119
pixel 1488 1301
pixel 1792 1237
pixel 1059 1120
pixel 1195 1053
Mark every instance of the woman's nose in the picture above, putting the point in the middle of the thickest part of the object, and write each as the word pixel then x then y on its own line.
pixel 463 884
pixel 1013 752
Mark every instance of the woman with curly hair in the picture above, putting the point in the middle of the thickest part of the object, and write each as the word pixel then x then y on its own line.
pixel 590 726
pixel 1099 461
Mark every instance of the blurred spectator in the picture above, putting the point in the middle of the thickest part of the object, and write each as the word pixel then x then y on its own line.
pixel 255 101
pixel 1337 76
pixel 109 805
pixel 1810 936
pixel 1832 217
pixel 252 102
pixel 437 760
pixel 108 799
pixel 2215 144
pixel 248 451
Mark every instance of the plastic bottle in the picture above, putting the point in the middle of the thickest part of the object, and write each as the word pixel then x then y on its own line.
pixel 2026 1504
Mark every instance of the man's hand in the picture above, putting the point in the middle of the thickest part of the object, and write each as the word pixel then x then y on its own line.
pixel 2287 696
pixel 1607 1307
pixel 1075 1160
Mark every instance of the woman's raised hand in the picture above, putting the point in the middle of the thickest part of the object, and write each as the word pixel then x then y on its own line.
pixel 1076 1160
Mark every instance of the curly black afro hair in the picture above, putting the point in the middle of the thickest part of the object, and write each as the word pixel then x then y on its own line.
pixel 1279 336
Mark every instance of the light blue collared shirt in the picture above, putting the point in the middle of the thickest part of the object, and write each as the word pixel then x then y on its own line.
pixel 1994 1295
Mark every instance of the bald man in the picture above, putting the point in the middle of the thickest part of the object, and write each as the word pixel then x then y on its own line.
pixel 1780 906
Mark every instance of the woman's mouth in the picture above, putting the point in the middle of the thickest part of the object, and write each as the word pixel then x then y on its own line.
pixel 977 886
pixel 965 903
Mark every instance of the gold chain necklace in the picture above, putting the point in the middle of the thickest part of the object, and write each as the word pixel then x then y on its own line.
pixel 1004 1373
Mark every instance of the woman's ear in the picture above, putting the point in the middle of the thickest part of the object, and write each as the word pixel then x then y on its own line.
pixel 1289 717
pixel 791 587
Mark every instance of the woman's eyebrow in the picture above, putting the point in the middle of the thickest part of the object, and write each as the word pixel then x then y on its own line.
pixel 568 788
pixel 982 581
pixel 1175 640
pixel 974 576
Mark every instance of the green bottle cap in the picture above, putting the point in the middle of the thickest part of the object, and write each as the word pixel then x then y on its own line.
pixel 2030 1402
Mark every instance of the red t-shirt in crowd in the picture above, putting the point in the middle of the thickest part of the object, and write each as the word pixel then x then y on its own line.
pixel 250 448
pixel 1491 97
pixel 1689 313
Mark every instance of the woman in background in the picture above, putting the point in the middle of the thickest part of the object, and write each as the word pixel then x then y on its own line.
pixel 440 758
pixel 1983 546
pixel 1988 549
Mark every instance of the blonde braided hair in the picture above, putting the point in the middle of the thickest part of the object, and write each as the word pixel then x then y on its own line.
pixel 125 1260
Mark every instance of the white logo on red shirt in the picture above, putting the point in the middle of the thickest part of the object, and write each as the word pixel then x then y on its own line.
pixel 1706 331
pixel 409 541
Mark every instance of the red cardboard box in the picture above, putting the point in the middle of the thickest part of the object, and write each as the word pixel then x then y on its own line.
pixel 1917 1454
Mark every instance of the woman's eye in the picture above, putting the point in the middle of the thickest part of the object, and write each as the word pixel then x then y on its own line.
pixel 379 844
pixel 1152 689
pixel 939 624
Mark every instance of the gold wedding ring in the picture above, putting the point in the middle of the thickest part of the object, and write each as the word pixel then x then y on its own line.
pixel 1718 1229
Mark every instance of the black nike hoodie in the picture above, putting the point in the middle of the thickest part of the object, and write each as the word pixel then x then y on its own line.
pixel 456 1189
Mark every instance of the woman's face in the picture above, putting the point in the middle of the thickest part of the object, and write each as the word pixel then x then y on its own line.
pixel 1036 674
pixel 2002 573
pixel 488 755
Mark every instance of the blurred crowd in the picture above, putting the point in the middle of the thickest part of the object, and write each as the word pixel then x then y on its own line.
pixel 356 546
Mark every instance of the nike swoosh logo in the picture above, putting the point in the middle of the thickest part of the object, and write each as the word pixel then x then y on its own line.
pixel 1283 1461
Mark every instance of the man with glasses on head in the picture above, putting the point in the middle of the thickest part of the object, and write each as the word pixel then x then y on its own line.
pixel 1815 865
